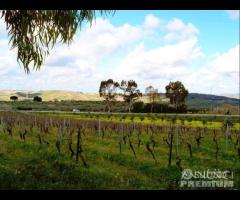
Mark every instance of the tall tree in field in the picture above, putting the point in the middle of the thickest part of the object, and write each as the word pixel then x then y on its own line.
pixel 177 93
pixel 130 92
pixel 108 90
pixel 14 98
pixel 153 95
pixel 37 99
pixel 35 32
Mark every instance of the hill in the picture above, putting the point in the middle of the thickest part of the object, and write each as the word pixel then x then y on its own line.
pixel 194 100
pixel 49 95
pixel 235 96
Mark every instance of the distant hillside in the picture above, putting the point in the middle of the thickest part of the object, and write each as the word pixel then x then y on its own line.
pixel 49 95
pixel 52 95
pixel 235 96
pixel 21 94
pixel 59 95
pixel 194 100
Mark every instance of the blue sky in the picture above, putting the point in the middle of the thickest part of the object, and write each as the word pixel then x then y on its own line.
pixel 217 32
pixel 153 47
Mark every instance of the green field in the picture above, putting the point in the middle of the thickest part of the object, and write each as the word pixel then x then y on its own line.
pixel 118 153
pixel 188 120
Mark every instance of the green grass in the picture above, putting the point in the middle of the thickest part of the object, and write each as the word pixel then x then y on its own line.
pixel 30 165
pixel 181 119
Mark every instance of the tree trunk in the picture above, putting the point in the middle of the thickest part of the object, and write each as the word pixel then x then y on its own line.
pixel 170 150
pixel 130 106
pixel 109 107
pixel 78 150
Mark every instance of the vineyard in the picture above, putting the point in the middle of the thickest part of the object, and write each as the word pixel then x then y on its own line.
pixel 89 151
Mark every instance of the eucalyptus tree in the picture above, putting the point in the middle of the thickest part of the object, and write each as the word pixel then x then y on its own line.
pixel 130 92
pixel 153 95
pixel 177 93
pixel 34 32
pixel 14 98
pixel 108 90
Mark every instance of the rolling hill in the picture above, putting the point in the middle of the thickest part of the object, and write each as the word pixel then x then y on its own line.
pixel 194 100
pixel 49 95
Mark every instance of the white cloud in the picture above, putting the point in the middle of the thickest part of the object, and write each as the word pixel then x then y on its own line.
pixel 220 74
pixel 175 62
pixel 178 30
pixel 168 59
pixel 227 62
pixel 162 64
pixel 176 25
pixel 73 67
pixel 233 14
pixel 151 22
pixel 94 43
pixel 81 66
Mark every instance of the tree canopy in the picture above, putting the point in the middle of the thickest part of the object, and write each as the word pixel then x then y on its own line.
pixel 153 95
pixel 130 92
pixel 177 93
pixel 108 90
pixel 37 98
pixel 14 98
pixel 35 32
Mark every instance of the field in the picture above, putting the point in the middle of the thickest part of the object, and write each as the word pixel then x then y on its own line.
pixel 69 100
pixel 103 151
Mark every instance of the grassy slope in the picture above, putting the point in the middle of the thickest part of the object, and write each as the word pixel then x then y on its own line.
pixel 51 95
pixel 69 95
pixel 194 100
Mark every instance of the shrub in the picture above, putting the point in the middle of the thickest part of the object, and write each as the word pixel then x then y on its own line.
pixel 159 108
pixel 37 99
pixel 138 107
pixel 24 108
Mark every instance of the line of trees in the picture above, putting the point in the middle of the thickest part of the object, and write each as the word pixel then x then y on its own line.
pixel 36 98
pixel 110 90
pixel 175 91
pixel 153 96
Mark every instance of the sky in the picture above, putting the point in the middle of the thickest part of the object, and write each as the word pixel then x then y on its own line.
pixel 198 48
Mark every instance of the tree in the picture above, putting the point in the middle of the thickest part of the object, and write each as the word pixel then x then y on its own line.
pixel 177 93
pixel 153 95
pixel 37 98
pixel 14 98
pixel 130 92
pixel 35 32
pixel 108 90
